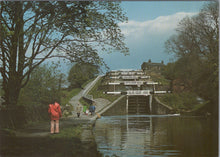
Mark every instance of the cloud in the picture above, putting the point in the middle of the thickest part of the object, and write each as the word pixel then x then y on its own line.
pixel 159 26
pixel 145 41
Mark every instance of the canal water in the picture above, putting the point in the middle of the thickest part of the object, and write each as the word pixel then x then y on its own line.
pixel 155 136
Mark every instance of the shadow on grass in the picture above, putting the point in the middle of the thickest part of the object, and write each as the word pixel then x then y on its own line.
pixel 65 144
pixel 46 147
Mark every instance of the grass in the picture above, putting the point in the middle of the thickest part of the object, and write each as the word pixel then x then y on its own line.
pixel 157 77
pixel 84 84
pixel 68 133
pixel 97 92
pixel 185 101
pixel 67 95
pixel 82 101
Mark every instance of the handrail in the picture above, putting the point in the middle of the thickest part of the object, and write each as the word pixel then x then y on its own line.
pixel 85 93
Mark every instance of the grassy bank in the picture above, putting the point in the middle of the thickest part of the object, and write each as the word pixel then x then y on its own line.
pixel 157 77
pixel 98 92
pixel 72 132
pixel 67 143
pixel 182 102
pixel 67 95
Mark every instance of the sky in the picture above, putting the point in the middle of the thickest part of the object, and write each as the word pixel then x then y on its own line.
pixel 150 24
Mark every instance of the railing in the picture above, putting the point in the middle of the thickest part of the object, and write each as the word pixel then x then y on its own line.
pixel 115 77
pixel 151 83
pixel 114 83
pixel 145 77
pixel 131 92
pixel 140 73
pixel 128 73
pixel 161 92
pixel 138 83
pixel 113 93
pixel 85 93
pixel 130 77
pixel 138 92
pixel 114 73
pixel 90 97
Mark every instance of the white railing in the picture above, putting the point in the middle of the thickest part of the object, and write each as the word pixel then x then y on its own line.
pixel 114 83
pixel 130 77
pixel 151 83
pixel 138 83
pixel 145 77
pixel 115 77
pixel 161 92
pixel 114 73
pixel 138 92
pixel 113 92
pixel 140 73
pixel 128 73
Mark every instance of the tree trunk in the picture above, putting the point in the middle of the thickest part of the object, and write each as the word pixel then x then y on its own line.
pixel 16 62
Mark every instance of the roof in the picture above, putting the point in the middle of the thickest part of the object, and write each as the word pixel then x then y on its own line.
pixel 154 64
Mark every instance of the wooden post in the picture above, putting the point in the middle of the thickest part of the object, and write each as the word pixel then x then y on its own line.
pixel 150 103
pixel 127 105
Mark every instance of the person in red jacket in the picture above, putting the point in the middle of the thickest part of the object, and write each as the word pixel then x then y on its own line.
pixel 55 114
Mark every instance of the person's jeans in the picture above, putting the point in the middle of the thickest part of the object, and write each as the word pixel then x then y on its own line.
pixel 52 123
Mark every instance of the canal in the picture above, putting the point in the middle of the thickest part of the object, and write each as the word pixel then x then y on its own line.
pixel 156 136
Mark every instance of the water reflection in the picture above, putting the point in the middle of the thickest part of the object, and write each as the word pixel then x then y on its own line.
pixel 152 136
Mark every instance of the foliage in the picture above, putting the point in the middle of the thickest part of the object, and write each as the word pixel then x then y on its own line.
pixel 43 88
pixel 196 45
pixel 81 73
pixel 157 77
pixel 34 31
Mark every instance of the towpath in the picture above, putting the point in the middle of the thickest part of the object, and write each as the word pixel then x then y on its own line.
pixel 42 129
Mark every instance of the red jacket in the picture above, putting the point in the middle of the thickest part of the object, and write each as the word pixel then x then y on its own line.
pixel 54 111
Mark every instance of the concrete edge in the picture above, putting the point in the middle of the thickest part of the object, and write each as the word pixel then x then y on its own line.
pixel 106 108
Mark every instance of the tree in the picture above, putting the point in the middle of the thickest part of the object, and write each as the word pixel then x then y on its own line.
pixel 34 31
pixel 43 86
pixel 42 89
pixel 80 73
pixel 196 45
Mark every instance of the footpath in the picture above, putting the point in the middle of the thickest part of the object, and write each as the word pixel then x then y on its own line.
pixel 86 121
pixel 100 103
